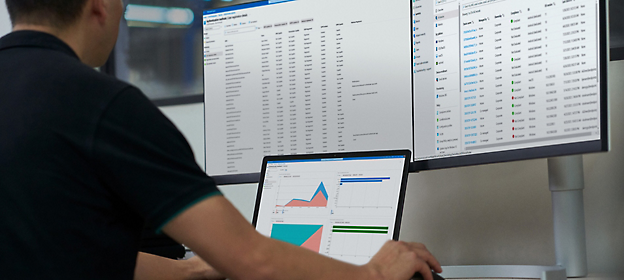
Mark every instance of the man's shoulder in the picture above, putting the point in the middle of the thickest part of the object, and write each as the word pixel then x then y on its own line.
pixel 58 74
pixel 90 86
pixel 88 78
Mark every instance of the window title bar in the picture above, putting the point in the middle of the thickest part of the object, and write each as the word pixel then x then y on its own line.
pixel 245 6
pixel 333 159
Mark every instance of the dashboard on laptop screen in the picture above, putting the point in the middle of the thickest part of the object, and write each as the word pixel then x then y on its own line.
pixel 344 208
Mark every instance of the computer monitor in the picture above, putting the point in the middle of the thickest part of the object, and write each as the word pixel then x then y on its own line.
pixel 305 76
pixel 458 82
pixel 344 205
pixel 501 80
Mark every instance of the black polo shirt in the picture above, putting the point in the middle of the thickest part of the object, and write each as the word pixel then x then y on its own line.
pixel 86 161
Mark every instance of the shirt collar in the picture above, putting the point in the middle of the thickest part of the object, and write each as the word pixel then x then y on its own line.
pixel 35 39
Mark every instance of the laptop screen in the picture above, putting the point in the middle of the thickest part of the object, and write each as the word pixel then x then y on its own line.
pixel 344 206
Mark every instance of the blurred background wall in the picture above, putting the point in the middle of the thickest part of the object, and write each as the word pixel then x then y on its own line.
pixel 5 22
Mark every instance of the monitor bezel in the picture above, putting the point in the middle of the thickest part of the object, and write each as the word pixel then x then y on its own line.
pixel 363 154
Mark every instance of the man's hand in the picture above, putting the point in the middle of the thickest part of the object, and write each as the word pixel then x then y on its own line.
pixel 400 260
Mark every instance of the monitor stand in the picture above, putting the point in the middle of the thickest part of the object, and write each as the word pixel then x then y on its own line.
pixel 565 176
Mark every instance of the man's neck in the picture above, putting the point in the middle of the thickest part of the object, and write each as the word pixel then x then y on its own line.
pixel 65 35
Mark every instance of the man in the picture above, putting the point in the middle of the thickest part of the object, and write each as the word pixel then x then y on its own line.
pixel 86 161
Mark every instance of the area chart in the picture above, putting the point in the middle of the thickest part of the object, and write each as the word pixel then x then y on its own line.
pixel 306 236
pixel 319 199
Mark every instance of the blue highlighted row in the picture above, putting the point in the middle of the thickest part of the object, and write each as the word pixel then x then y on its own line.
pixel 363 180
pixel 360 179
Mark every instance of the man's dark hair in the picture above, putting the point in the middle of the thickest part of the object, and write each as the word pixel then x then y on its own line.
pixel 55 13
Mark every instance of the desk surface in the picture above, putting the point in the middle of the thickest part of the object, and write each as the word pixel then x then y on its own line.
pixel 589 277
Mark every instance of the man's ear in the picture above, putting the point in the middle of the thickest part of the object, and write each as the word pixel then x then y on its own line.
pixel 98 10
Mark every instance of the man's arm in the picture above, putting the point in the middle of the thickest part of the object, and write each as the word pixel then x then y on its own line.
pixel 217 232
pixel 152 267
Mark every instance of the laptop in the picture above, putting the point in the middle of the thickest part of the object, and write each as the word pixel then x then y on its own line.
pixel 341 205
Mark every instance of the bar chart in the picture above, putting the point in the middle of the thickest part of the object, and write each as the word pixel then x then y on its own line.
pixel 365 192
pixel 356 243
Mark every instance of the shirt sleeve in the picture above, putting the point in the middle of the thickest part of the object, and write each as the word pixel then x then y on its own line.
pixel 144 159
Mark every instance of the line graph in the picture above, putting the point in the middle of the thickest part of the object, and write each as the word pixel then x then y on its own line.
pixel 319 199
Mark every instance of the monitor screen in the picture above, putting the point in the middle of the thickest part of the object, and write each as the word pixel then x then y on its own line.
pixel 456 82
pixel 343 206
pixel 305 76
pixel 502 75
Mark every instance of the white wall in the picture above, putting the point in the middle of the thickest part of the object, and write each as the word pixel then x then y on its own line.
pixel 5 21
pixel 189 119
pixel 499 213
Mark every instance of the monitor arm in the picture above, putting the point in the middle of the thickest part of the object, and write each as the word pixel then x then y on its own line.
pixel 565 176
